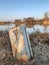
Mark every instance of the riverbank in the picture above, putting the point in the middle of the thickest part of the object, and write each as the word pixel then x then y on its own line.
pixel 40 48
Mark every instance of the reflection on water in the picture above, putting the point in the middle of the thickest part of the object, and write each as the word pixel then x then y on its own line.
pixel 6 27
pixel 34 29
pixel 37 28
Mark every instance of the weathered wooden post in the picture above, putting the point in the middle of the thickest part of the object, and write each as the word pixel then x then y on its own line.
pixel 20 43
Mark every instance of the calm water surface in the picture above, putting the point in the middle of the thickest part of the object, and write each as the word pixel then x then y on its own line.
pixel 34 29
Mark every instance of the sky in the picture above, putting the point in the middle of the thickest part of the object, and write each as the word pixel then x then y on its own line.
pixel 19 9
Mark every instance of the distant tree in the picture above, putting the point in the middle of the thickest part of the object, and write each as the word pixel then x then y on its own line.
pixel 46 15
pixel 18 22
pixel 29 21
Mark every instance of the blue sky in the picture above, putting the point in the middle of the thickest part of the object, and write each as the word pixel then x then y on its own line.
pixel 13 9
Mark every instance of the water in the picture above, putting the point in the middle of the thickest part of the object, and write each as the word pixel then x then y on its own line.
pixel 38 28
pixel 34 29
pixel 6 27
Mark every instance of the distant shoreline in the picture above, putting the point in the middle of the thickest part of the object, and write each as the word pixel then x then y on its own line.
pixel 29 22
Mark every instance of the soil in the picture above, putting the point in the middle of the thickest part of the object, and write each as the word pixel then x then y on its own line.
pixel 40 48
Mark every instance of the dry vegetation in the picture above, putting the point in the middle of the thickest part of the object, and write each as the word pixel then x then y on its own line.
pixel 39 43
pixel 40 49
